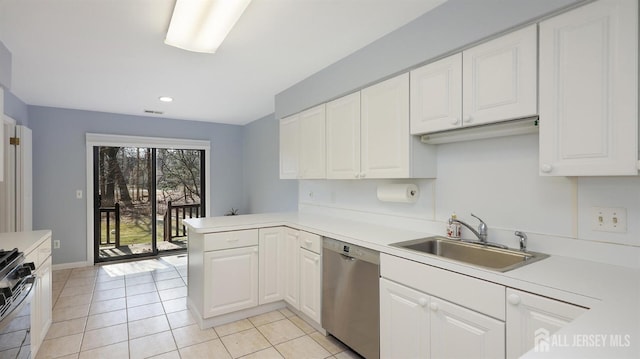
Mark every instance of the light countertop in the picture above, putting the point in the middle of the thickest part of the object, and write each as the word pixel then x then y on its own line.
pixel 611 292
pixel 26 242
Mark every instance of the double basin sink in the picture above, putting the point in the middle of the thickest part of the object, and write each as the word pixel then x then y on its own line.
pixel 477 254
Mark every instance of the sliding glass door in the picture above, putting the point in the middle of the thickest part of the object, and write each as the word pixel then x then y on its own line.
pixel 141 196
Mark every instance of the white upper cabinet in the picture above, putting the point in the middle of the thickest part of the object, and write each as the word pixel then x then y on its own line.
pixel 500 78
pixel 589 91
pixel 343 137
pixel 289 147
pixel 436 96
pixel 387 148
pixel 385 129
pixel 491 82
pixel 312 143
pixel 302 145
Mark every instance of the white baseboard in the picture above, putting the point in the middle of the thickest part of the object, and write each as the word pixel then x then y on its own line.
pixel 71 265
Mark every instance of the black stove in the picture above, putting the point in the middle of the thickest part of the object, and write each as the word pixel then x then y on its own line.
pixel 15 279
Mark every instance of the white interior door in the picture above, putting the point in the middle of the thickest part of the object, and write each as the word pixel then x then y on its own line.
pixel 7 187
pixel 24 179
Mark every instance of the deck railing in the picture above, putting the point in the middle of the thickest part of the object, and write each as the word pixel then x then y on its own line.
pixel 108 237
pixel 177 213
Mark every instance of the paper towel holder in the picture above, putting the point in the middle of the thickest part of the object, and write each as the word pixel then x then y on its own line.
pixel 396 192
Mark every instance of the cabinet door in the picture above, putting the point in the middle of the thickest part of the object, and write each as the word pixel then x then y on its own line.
pixel 404 321
pixel 457 332
pixel 500 78
pixel 343 137
pixel 231 280
pixel 289 147
pixel 310 284
pixel 385 129
pixel 41 307
pixel 272 265
pixel 312 143
pixel 532 318
pixel 436 96
pixel 292 270
pixel 589 91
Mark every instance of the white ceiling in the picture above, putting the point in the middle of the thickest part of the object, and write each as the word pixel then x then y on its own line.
pixel 109 55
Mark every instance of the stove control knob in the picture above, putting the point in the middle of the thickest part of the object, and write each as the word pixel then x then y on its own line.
pixel 25 270
pixel 5 292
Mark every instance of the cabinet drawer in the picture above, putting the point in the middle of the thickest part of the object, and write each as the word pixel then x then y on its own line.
pixel 481 296
pixel 310 241
pixel 232 239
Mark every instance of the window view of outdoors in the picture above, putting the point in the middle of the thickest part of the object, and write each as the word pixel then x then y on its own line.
pixel 138 197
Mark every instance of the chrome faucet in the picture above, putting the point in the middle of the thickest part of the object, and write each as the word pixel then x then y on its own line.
pixel 523 240
pixel 481 233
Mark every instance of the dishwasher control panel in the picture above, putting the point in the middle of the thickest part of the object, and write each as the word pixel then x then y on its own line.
pixel 351 250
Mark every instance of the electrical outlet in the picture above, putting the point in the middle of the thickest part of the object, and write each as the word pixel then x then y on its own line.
pixel 56 243
pixel 609 219
pixel 79 194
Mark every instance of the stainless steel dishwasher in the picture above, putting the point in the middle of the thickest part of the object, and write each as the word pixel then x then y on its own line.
pixel 351 296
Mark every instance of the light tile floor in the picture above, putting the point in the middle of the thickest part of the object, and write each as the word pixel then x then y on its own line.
pixel 138 310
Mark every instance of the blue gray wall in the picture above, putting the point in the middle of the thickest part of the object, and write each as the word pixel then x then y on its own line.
pixel 16 109
pixel 447 28
pixel 266 192
pixel 59 166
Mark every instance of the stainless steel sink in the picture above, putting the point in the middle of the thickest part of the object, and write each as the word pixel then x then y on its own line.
pixel 498 259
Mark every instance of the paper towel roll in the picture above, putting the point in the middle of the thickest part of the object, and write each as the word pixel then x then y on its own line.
pixel 405 193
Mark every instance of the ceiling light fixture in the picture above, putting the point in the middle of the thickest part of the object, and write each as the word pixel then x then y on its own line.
pixel 165 99
pixel 202 25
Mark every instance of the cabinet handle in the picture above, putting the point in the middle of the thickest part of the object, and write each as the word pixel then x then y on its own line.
pixel 455 121
pixel 363 175
pixel 434 307
pixel 513 299
pixel 467 119
pixel 308 242
pixel 255 249
pixel 546 168
pixel 423 302
pixel 357 175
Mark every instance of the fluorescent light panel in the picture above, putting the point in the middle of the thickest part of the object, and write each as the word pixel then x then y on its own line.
pixel 202 25
pixel 498 129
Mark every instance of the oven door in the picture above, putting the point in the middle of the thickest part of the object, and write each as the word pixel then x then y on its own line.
pixel 15 324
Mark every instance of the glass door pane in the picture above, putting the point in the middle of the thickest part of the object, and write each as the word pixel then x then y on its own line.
pixel 179 176
pixel 125 186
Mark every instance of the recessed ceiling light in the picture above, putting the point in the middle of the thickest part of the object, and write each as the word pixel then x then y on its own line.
pixel 165 98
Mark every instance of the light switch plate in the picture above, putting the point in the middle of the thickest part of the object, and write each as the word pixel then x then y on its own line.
pixel 609 219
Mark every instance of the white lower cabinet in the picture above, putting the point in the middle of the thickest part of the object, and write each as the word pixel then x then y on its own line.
pixel 231 280
pixel 272 260
pixel 531 317
pixel 310 284
pixel 404 321
pixel 41 306
pixel 292 268
pixel 414 324
pixel 452 325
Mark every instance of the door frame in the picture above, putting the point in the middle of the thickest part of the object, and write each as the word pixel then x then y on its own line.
pixel 108 140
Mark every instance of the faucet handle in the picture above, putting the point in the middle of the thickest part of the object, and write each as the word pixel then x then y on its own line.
pixel 523 240
pixel 482 227
pixel 481 221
